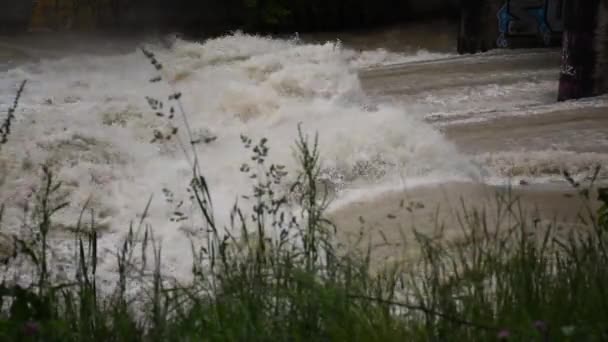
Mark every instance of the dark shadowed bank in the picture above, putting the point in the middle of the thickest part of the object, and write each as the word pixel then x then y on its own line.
pixel 218 16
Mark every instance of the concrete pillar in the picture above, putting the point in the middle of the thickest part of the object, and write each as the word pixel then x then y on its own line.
pixel 470 32
pixel 478 30
pixel 578 50
pixel 601 48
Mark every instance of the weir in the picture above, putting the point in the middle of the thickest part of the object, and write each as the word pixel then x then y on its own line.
pixel 580 27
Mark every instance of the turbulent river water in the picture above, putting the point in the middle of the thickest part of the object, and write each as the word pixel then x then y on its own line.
pixel 393 109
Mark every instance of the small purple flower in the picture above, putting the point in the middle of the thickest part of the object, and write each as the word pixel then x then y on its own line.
pixel 541 326
pixel 31 328
pixel 504 334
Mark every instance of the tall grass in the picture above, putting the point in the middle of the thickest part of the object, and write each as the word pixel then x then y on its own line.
pixel 278 274
pixel 5 128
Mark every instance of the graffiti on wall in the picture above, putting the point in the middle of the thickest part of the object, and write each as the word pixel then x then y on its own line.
pixel 541 19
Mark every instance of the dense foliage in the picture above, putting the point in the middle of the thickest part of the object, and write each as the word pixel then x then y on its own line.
pixel 218 16
pixel 303 15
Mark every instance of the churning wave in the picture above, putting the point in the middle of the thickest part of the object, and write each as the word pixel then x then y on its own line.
pixel 88 117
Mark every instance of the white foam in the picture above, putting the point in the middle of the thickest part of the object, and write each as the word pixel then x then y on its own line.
pixel 369 193
pixel 385 58
pixel 89 116
pixel 547 165
pixel 525 107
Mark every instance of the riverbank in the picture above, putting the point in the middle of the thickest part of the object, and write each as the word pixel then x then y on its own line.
pixel 526 282
pixel 388 219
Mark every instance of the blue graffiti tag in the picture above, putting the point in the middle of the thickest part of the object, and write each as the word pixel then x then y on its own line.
pixel 504 19
pixel 529 18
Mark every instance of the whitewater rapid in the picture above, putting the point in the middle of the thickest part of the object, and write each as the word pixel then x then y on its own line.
pixel 87 116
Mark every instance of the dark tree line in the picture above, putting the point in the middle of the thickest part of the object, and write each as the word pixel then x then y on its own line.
pixel 284 15
pixel 301 15
pixel 217 16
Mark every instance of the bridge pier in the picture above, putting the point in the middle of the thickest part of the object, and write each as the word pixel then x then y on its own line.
pixel 478 26
pixel 601 49
pixel 579 55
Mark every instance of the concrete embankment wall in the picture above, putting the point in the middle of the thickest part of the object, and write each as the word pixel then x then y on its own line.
pixel 15 14
pixel 489 24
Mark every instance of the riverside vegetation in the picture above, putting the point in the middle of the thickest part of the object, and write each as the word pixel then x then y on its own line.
pixel 212 17
pixel 273 275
